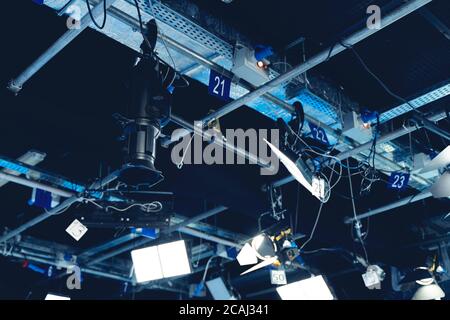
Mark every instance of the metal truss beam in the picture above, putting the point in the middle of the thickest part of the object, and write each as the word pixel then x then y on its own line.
pixel 30 158
pixel 52 254
pixel 386 208
pixel 58 209
pixel 363 147
pixel 34 184
pixel 144 241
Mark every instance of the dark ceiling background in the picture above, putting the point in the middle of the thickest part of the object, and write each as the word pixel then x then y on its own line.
pixel 65 111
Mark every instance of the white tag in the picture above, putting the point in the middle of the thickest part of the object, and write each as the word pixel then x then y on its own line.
pixel 76 230
pixel 371 280
pixel 278 277
pixel 318 187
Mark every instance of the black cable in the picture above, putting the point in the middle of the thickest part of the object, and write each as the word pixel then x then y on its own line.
pixel 92 17
pixel 330 52
pixel 64 7
pixel 141 25
pixel 380 82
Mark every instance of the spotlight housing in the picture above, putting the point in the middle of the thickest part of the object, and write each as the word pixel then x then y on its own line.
pixel 429 292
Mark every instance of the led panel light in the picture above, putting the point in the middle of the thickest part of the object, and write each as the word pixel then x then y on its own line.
pixel 174 259
pixel 56 297
pixel 314 288
pixel 147 266
pixel 218 289
pixel 163 261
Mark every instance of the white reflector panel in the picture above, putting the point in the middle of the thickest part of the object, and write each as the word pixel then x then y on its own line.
pixel 309 289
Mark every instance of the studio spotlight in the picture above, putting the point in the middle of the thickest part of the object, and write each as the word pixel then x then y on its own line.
pixel 261 64
pixel 247 256
pixel 264 246
pixel 420 275
pixel 149 111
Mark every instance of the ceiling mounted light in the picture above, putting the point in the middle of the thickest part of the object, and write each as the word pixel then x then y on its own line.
pixel 429 292
pixel 163 261
pixel 56 297
pixel 261 64
pixel 314 288
pixel 262 247
pixel 423 276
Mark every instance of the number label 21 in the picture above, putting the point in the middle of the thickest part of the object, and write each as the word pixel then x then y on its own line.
pixel 219 86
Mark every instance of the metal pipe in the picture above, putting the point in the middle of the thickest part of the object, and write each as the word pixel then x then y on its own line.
pixel 211 65
pixel 108 245
pixel 209 237
pixel 35 184
pixel 397 204
pixel 200 217
pixel 387 20
pixel 435 22
pixel 30 158
pixel 136 244
pixel 86 270
pixel 57 210
pixel 16 84
pixel 144 241
pixel 431 126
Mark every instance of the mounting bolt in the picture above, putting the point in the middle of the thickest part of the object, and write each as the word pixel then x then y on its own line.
pixel 13 87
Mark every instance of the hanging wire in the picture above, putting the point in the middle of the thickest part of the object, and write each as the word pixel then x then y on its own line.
pixel 355 215
pixel 102 25
pixel 380 82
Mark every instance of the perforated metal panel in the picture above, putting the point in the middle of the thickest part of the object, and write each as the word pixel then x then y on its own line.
pixel 187 27
pixel 416 103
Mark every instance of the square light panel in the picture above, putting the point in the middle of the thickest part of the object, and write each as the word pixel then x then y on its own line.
pixel 163 261
pixel 174 259
pixel 147 266
pixel 314 288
